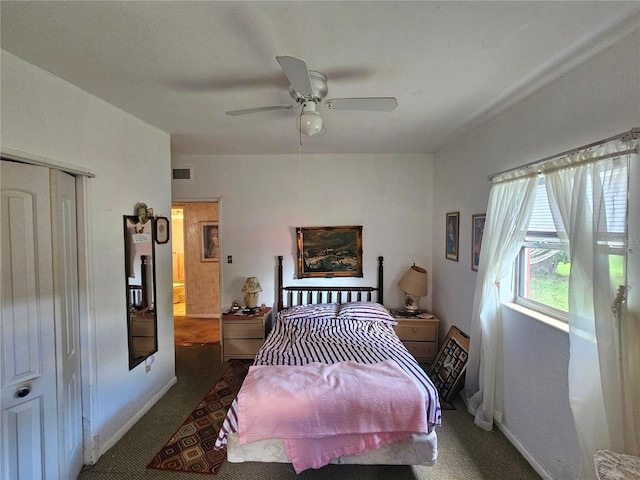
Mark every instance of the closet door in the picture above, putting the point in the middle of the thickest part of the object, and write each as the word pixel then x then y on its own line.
pixel 29 405
pixel 40 402
pixel 67 324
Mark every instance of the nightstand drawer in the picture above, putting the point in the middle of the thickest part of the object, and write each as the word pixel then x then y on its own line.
pixel 421 350
pixel 243 330
pixel 417 332
pixel 142 345
pixel 242 346
pixel 242 336
pixel 142 328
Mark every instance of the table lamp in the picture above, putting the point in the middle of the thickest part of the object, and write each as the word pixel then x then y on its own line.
pixel 251 288
pixel 414 286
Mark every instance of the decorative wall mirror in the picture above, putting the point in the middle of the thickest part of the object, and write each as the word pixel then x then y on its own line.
pixel 140 280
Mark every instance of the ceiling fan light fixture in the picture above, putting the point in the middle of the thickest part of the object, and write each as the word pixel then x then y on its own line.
pixel 308 88
pixel 310 120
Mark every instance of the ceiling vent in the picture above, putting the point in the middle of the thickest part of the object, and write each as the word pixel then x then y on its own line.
pixel 181 173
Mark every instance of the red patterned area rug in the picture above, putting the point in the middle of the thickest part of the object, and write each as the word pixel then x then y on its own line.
pixel 190 449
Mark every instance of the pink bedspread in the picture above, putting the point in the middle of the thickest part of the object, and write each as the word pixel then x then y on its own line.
pixel 325 411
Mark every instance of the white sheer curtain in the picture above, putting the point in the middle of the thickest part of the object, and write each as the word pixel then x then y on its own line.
pixel 508 214
pixel 604 412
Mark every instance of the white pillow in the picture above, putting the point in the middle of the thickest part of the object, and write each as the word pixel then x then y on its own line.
pixel 365 311
pixel 317 310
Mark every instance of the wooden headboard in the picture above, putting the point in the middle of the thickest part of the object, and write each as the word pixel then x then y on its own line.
pixel 302 295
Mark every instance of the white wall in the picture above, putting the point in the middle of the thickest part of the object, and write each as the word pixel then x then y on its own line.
pixel 46 116
pixel 599 99
pixel 264 197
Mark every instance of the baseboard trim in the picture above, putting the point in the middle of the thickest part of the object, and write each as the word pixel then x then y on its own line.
pixel 523 451
pixel 133 420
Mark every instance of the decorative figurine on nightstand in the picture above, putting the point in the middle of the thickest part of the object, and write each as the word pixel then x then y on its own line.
pixel 414 286
pixel 251 288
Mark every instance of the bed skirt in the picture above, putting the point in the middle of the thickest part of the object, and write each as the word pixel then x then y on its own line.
pixel 419 449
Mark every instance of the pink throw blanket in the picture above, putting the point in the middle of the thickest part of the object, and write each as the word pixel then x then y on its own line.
pixel 326 411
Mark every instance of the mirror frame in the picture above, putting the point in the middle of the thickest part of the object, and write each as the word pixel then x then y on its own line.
pixel 139 306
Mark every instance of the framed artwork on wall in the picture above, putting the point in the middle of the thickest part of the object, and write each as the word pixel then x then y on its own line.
pixel 477 231
pixel 329 251
pixel 452 235
pixel 210 248
pixel 162 229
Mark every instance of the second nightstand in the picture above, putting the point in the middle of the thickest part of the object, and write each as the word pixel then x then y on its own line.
pixel 419 335
pixel 243 335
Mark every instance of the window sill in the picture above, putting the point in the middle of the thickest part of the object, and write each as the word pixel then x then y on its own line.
pixel 546 319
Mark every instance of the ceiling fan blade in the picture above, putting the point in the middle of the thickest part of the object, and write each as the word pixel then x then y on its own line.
pixel 297 73
pixel 372 104
pixel 234 113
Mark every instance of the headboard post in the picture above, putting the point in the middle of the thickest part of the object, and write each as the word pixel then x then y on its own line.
pixel 380 281
pixel 280 302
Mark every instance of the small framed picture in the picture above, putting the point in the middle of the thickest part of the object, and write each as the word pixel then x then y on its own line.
pixel 477 231
pixel 452 235
pixel 210 248
pixel 162 229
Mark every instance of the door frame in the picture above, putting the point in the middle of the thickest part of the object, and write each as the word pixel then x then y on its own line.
pixel 180 201
pixel 86 292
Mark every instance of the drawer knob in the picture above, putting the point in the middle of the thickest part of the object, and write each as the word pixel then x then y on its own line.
pixel 415 330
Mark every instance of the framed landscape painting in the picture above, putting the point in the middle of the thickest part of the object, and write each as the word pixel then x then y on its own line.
pixel 452 235
pixel 329 251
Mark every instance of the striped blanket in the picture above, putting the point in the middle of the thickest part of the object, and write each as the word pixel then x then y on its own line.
pixel 330 338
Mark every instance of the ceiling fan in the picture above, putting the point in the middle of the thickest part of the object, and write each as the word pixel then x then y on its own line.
pixel 308 88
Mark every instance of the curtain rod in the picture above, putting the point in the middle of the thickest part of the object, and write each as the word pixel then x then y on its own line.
pixel 626 136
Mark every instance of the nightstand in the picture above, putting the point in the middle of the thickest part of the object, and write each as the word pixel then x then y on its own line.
pixel 243 335
pixel 419 335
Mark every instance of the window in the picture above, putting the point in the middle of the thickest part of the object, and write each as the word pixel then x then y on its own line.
pixel 543 266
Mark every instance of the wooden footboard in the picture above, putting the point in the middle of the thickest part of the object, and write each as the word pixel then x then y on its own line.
pixel 304 295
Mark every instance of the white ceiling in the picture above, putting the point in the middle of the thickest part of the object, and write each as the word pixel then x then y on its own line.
pixel 181 65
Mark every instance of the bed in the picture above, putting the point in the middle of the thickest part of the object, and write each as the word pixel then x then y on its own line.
pixel 346 335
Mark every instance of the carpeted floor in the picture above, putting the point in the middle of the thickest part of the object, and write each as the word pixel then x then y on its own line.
pixel 464 451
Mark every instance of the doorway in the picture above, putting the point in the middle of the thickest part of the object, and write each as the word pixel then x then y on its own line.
pixel 177 261
pixel 196 273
